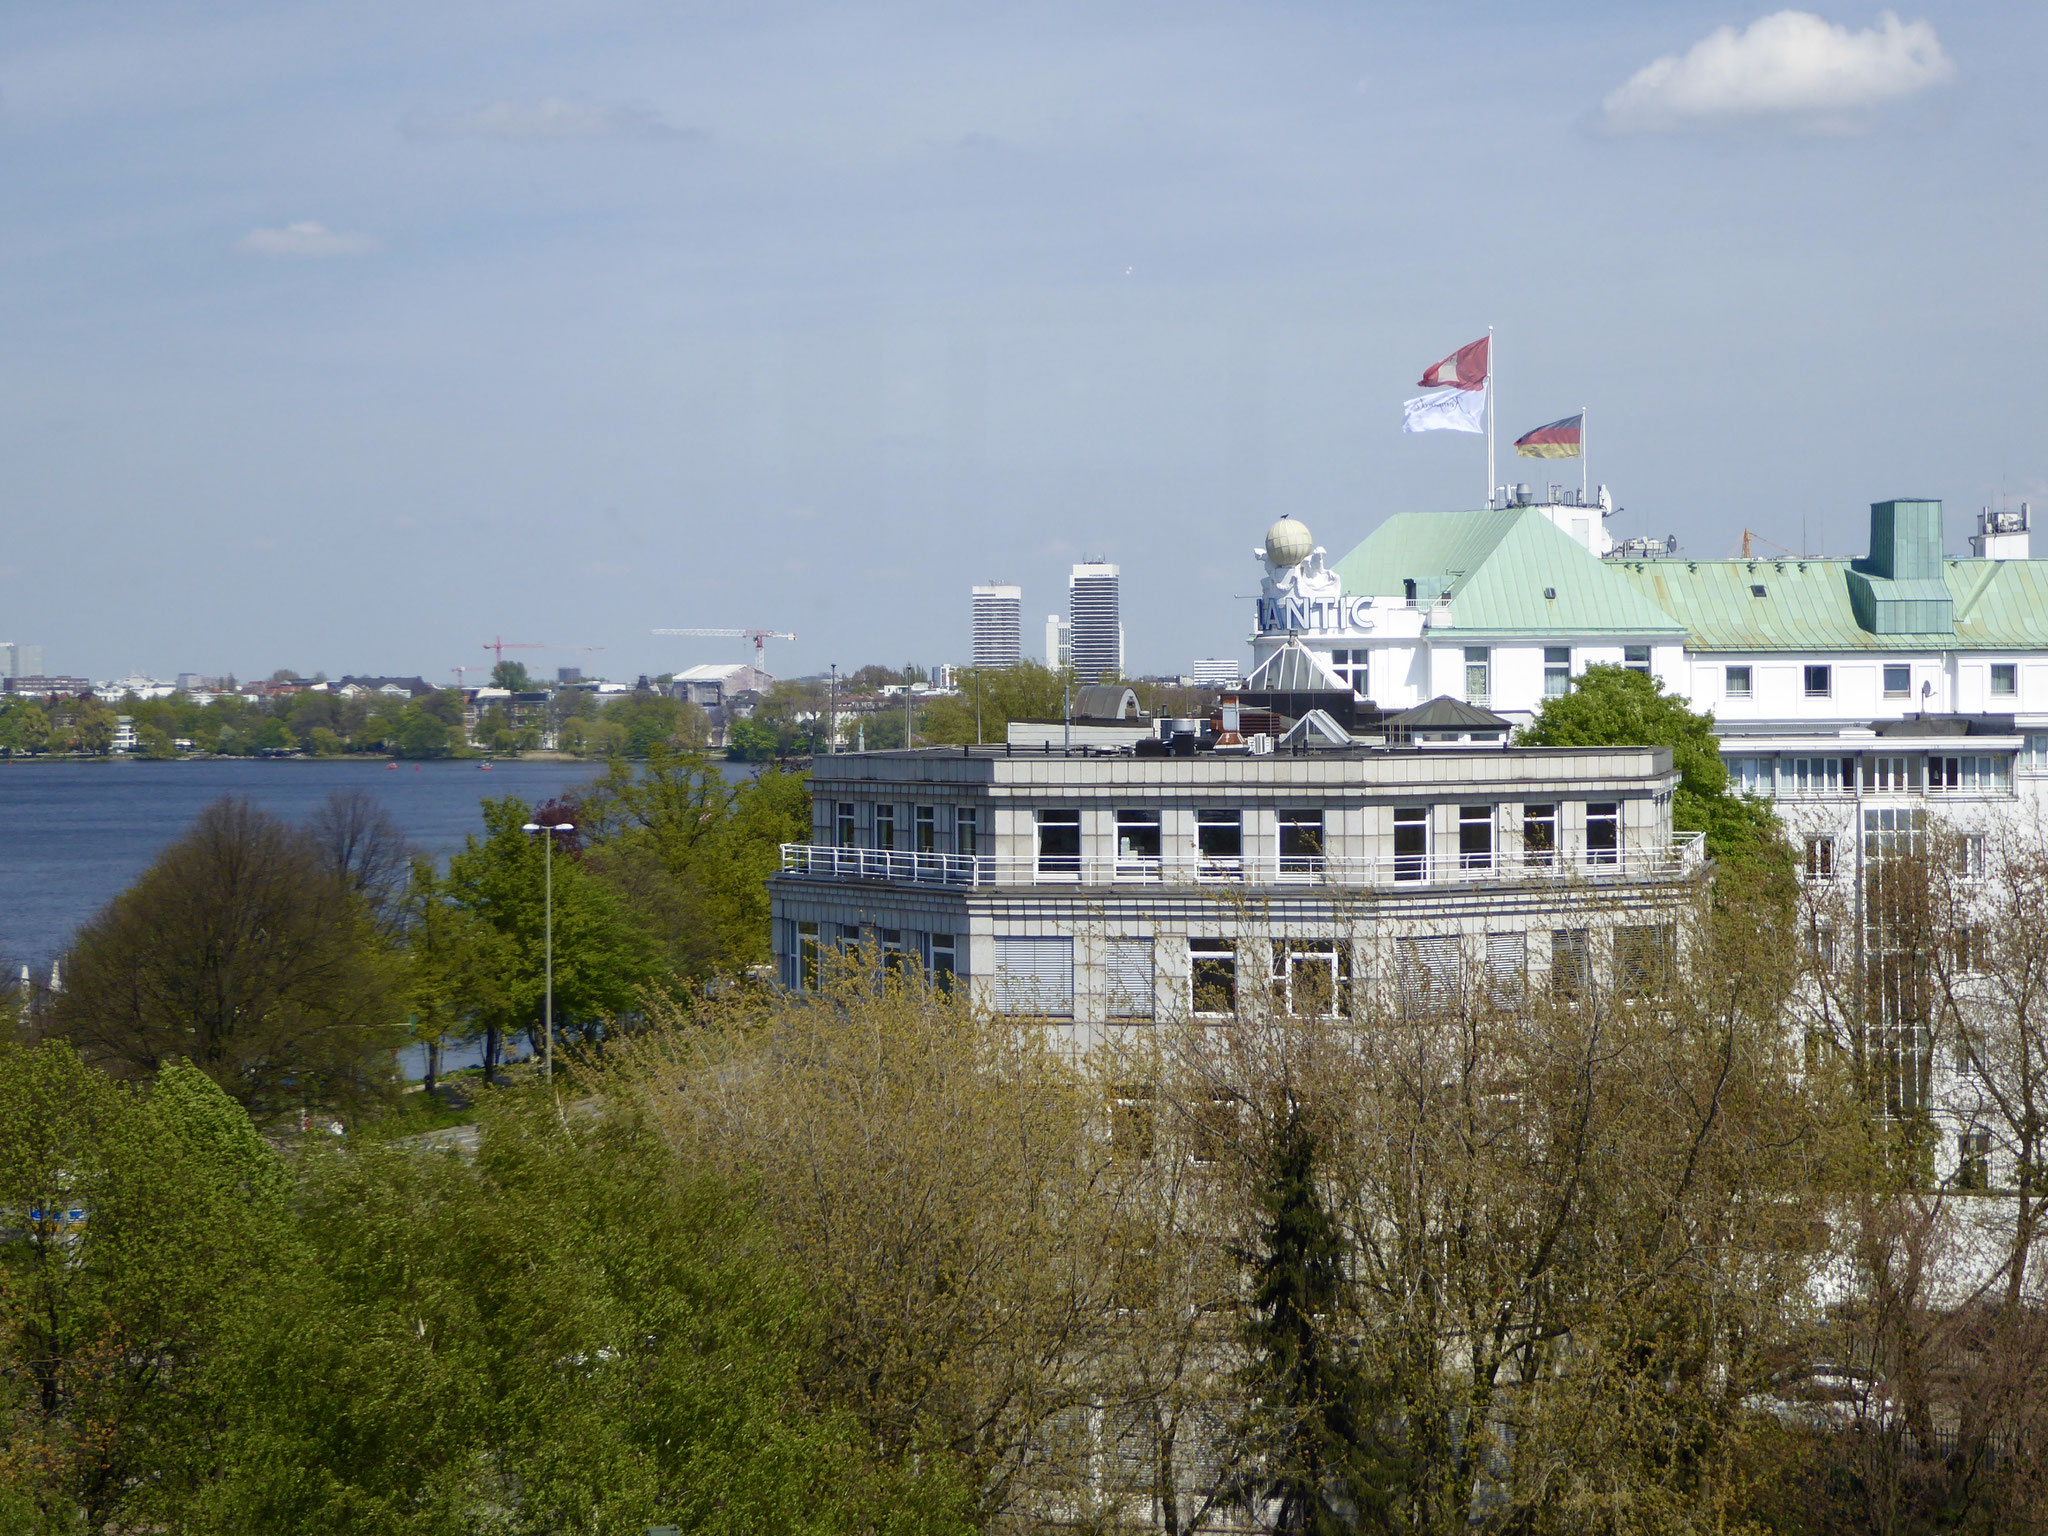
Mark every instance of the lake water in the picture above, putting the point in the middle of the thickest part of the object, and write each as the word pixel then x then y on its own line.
pixel 74 835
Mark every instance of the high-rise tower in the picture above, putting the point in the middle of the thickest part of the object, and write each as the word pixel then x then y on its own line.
pixel 1094 607
pixel 998 626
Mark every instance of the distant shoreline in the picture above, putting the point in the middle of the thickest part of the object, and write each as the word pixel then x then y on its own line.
pixel 535 756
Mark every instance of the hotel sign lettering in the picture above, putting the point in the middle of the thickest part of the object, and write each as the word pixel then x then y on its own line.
pixel 1294 614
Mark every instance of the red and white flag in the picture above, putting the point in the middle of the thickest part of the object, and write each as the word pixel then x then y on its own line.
pixel 1463 369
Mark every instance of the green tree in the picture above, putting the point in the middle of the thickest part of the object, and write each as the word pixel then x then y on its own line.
pixel 92 726
pixel 141 1227
pixel 645 721
pixel 796 709
pixel 241 949
pixel 574 1332
pixel 420 734
pixel 1311 1417
pixel 872 679
pixel 24 727
pixel 990 698
pixel 694 849
pixel 750 741
pixel 603 954
pixel 1614 706
pixel 154 742
pixel 511 676
pixel 494 729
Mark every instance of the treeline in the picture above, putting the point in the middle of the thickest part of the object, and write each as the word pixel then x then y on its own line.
pixel 328 724
pixel 32 726
pixel 289 963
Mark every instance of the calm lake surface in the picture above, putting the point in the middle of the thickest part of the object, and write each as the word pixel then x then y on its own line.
pixel 74 835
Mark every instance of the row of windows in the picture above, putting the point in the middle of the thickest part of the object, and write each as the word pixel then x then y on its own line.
pixel 1219 837
pixel 901 952
pixel 1557 670
pixel 1308 978
pixel 1433 973
pixel 920 833
pixel 1739 681
pixel 1885 834
pixel 1976 773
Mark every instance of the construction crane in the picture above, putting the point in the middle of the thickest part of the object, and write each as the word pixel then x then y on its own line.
pixel 760 637
pixel 498 645
pixel 1749 538
pixel 462 674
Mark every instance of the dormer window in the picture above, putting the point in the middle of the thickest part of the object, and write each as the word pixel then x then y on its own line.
pixel 1757 590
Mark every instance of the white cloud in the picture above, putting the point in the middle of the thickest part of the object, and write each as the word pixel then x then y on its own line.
pixel 551 119
pixel 1793 67
pixel 306 239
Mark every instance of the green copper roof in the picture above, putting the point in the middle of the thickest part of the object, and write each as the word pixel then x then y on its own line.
pixel 1496 564
pixel 1807 605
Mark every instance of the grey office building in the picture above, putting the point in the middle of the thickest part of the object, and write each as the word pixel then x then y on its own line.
pixel 1095 610
pixel 998 626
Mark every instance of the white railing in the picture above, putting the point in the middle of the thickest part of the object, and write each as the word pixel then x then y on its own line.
pixel 1682 856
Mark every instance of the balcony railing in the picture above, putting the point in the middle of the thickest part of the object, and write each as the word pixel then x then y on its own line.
pixel 818 861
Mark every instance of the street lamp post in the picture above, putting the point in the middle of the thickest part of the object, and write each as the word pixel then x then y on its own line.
pixel 547 864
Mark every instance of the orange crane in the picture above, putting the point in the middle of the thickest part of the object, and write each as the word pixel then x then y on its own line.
pixel 1749 538
pixel 498 645
pixel 760 637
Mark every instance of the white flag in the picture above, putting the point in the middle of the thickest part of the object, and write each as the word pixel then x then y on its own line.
pixel 1446 410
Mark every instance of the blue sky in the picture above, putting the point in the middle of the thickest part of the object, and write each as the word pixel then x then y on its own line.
pixel 347 336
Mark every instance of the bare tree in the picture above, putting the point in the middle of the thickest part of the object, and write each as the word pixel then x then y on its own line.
pixel 1578 1201
pixel 942 1178
pixel 364 848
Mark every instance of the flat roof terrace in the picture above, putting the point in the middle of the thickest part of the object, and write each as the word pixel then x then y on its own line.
pixel 1348 818
pixel 1438 770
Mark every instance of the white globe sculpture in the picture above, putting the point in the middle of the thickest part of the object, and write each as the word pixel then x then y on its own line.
pixel 1289 542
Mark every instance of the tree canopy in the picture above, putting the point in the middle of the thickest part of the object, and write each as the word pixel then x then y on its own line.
pixel 995 696
pixel 572 1331
pixel 246 950
pixel 481 955
pixel 693 849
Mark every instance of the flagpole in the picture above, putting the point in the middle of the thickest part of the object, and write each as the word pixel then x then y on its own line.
pixel 1489 415
pixel 1582 454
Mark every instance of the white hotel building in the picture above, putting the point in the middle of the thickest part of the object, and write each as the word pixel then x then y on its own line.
pixel 1844 688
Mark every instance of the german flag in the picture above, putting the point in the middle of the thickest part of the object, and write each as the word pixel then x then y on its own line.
pixel 1554 440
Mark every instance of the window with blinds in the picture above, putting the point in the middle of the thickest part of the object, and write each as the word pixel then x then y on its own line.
pixel 1507 968
pixel 1642 961
pixel 1127 978
pixel 1427 970
pixel 1571 963
pixel 1035 976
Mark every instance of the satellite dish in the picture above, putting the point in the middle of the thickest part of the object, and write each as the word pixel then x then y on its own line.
pixel 1670 543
